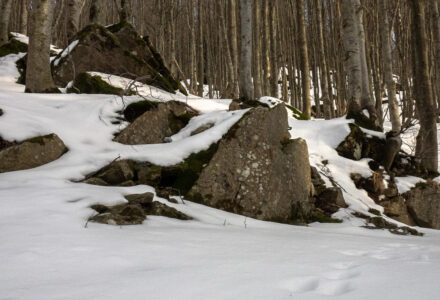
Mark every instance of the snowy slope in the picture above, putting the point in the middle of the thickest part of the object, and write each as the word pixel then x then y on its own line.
pixel 49 252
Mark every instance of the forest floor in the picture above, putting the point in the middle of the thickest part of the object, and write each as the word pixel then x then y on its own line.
pixel 49 251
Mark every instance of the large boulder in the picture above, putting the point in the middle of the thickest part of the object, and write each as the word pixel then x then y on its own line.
pixel 157 122
pixel 423 204
pixel 117 50
pixel 31 153
pixel 258 171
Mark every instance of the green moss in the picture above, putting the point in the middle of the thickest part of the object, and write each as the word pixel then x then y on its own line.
pixel 374 211
pixel 422 185
pixel 297 114
pixel 88 84
pixel 183 176
pixel 40 139
pixel 136 109
pixel 13 47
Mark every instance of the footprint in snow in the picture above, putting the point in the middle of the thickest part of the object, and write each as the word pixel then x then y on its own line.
pixel 321 286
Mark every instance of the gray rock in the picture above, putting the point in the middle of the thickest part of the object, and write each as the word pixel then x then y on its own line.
pixel 258 171
pixel 115 173
pixel 142 199
pixel 31 153
pixel 423 203
pixel 117 50
pixel 155 125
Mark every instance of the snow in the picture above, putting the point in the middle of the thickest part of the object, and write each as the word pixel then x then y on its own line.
pixel 66 52
pixel 48 251
pixel 404 184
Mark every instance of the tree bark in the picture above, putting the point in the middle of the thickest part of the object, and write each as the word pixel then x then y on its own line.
pixel 352 55
pixel 97 12
pixel 388 67
pixel 73 14
pixel 38 74
pixel 427 138
pixel 24 17
pixel 5 14
pixel 245 71
pixel 304 57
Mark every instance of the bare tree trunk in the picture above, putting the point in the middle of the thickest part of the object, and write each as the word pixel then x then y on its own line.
pixel 38 75
pixel 436 33
pixel 427 138
pixel 245 71
pixel 234 45
pixel 323 69
pixel 73 15
pixel 5 14
pixel 388 67
pixel 304 56
pixel 125 12
pixel 23 17
pixel 201 65
pixel 257 50
pixel 352 55
pixel 97 12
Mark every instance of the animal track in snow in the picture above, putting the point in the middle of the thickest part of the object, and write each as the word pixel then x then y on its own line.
pixel 332 284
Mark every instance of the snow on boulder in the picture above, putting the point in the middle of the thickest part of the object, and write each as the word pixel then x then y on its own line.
pixel 154 122
pixel 117 50
pixel 258 171
pixel 31 153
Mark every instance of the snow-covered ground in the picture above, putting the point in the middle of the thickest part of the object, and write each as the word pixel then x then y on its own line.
pixel 48 251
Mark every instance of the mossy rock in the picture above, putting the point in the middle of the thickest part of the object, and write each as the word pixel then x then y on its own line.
pixel 363 121
pixel 297 114
pixel 87 84
pixel 183 176
pixel 14 46
pixel 136 109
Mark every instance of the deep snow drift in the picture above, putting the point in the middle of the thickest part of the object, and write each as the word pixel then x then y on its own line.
pixel 49 252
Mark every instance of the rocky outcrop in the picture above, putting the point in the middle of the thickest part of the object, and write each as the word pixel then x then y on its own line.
pixel 117 50
pixel 135 211
pixel 159 121
pixel 423 204
pixel 328 199
pixel 31 153
pixel 257 171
